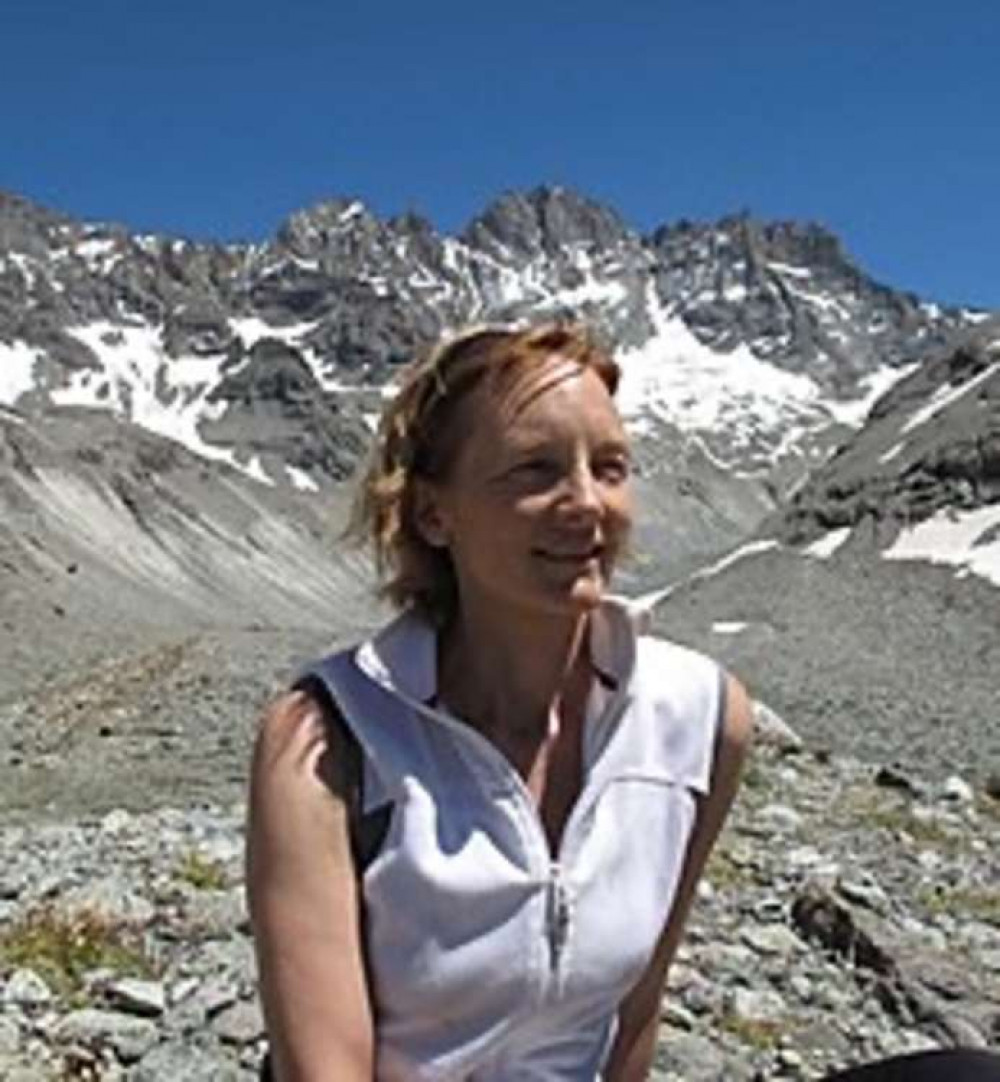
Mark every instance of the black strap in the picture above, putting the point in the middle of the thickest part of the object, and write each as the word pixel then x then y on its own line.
pixel 367 830
pixel 317 690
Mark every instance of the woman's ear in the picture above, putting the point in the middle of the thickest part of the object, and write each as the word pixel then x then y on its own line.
pixel 428 515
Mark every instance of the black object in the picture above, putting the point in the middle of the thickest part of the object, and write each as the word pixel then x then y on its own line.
pixel 946 1065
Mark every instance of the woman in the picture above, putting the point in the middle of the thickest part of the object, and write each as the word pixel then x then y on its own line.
pixel 475 839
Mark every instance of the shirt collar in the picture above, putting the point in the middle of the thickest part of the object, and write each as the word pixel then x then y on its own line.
pixel 402 657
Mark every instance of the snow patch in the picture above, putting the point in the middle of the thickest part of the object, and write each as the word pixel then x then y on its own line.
pixel 827 545
pixel 787 268
pixel 17 371
pixel 873 386
pixel 251 329
pixel 300 479
pixel 675 378
pixel 23 264
pixel 94 248
pixel 951 537
pixel 139 382
pixel 729 627
pixel 254 469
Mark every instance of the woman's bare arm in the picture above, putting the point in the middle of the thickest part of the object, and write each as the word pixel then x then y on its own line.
pixel 639 1016
pixel 304 901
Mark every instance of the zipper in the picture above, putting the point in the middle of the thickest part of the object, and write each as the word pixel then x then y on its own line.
pixel 556 917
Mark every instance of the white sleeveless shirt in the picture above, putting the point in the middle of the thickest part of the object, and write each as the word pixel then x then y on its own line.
pixel 490 960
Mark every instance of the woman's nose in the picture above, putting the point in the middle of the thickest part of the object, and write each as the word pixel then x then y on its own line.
pixel 582 491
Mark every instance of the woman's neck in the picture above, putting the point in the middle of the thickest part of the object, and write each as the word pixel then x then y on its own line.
pixel 514 678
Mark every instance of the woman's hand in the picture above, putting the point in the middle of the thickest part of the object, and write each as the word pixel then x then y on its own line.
pixel 303 897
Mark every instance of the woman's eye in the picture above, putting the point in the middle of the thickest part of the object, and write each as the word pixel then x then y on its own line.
pixel 612 469
pixel 531 467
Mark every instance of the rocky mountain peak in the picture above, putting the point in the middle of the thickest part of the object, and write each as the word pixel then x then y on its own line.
pixel 765 326
pixel 545 221
pixel 313 232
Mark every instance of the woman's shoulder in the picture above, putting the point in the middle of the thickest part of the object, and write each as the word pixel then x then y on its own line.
pixel 664 664
pixel 694 693
pixel 300 744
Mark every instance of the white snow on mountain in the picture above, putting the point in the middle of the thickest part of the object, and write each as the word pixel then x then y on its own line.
pixel 826 545
pixel 300 479
pixel 872 387
pixel 138 382
pixel 675 378
pixel 251 329
pixel 672 378
pixel 968 539
pixel 17 371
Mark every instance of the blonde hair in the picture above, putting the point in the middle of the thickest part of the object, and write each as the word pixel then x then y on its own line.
pixel 420 434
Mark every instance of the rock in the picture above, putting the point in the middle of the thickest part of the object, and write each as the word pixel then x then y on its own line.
pixel 691 1058
pixel 174 1061
pixel 756 1007
pixel 25 988
pixel 955 1030
pixel 818 916
pixel 10 1037
pixel 116 822
pixel 779 817
pixel 864 892
pixel 11 886
pixel 991 960
pixel 890 777
pixel 240 1024
pixel 129 1037
pixel 824 1040
pixel 772 730
pixel 991 786
pixel 729 959
pixel 140 997
pixel 677 1015
pixel 113 899
pixel 790 1060
pixel 772 939
pixel 957 790
pixel 15 1069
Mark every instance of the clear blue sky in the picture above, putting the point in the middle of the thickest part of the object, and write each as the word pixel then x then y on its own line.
pixel 218 118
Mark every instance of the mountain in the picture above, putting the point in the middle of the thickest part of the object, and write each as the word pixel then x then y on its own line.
pixel 748 336
pixel 749 349
pixel 176 419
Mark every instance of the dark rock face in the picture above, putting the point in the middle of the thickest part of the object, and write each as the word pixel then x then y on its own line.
pixel 791 292
pixel 932 442
pixel 275 408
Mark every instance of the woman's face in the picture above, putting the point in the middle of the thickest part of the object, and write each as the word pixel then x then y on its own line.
pixel 536 508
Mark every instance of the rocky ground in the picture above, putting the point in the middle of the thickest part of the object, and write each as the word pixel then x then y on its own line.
pixel 850 912
pixel 887 661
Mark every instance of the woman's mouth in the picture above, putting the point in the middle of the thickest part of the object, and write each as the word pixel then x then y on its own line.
pixel 574 556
